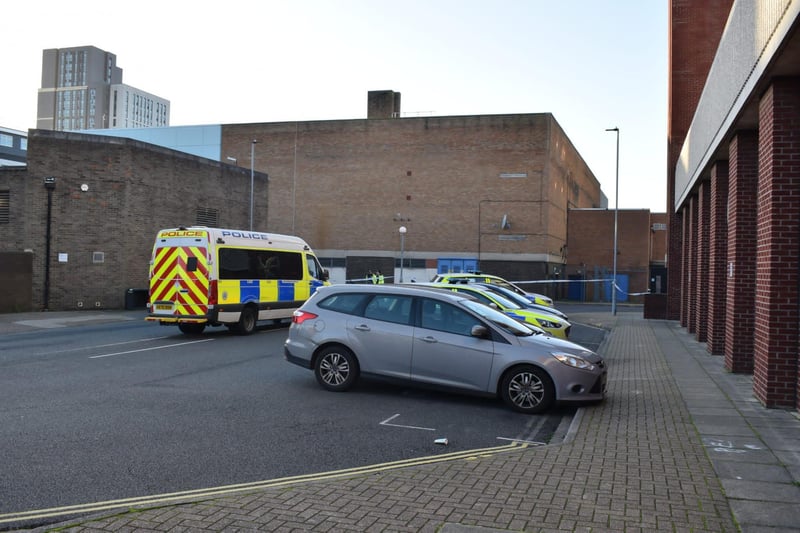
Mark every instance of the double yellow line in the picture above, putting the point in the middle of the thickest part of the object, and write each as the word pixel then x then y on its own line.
pixel 199 494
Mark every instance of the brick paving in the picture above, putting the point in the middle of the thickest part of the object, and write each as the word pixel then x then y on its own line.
pixel 634 463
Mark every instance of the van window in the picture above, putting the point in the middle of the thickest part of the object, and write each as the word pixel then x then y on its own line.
pixel 240 263
pixel 314 268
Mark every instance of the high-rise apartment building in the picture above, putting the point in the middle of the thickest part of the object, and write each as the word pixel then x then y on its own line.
pixel 82 89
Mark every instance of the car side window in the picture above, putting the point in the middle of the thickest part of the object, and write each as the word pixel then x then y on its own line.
pixel 389 308
pixel 349 303
pixel 442 316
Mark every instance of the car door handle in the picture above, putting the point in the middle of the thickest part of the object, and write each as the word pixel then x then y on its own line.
pixel 362 327
pixel 429 339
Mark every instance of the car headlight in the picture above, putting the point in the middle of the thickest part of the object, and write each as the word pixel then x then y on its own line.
pixel 573 361
pixel 548 324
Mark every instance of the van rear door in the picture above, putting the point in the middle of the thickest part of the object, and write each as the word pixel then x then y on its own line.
pixel 179 275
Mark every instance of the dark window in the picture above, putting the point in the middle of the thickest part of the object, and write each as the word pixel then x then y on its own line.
pixel 240 263
pixel 191 264
pixel 442 316
pixel 351 303
pixel 389 308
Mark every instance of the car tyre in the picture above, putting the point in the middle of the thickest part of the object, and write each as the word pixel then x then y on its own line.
pixel 192 328
pixel 336 368
pixel 528 389
pixel 247 321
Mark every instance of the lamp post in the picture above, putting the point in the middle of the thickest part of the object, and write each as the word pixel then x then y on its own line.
pixel 402 231
pixel 616 220
pixel 252 173
pixel 49 185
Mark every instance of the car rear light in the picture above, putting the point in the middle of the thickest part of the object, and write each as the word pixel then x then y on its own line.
pixel 298 317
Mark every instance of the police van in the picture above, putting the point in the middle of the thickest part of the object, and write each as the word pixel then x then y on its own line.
pixel 202 276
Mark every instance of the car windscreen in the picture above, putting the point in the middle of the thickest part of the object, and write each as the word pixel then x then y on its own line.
pixel 499 319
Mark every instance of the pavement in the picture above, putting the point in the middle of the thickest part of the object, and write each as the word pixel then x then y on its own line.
pixel 679 444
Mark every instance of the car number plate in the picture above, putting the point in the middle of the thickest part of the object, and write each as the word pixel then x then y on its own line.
pixel 163 307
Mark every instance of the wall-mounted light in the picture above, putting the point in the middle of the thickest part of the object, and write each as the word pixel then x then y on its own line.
pixel 49 182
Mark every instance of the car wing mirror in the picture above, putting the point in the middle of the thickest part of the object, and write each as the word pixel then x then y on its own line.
pixel 479 331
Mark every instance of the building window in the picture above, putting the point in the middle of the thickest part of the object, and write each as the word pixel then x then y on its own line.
pixel 98 257
pixel 6 140
pixel 5 207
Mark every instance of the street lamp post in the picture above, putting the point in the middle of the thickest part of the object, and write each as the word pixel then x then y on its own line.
pixel 616 225
pixel 49 185
pixel 252 174
pixel 402 231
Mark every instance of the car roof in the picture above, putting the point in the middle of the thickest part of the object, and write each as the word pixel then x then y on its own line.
pixel 420 289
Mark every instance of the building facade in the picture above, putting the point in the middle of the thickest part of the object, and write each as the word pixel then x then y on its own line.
pixel 82 216
pixel 734 187
pixel 491 191
pixel 13 147
pixel 82 89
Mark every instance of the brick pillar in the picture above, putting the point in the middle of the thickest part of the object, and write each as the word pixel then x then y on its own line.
pixel 717 258
pixel 674 262
pixel 685 258
pixel 775 373
pixel 690 264
pixel 741 267
pixel 701 261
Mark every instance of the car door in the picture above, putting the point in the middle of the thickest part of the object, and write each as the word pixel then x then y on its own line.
pixel 444 351
pixel 382 337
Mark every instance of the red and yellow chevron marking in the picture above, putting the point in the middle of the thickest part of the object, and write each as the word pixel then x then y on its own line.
pixel 171 281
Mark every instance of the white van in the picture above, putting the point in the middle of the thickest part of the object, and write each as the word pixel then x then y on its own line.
pixel 203 276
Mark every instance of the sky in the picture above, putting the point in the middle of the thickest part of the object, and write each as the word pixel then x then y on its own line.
pixel 593 65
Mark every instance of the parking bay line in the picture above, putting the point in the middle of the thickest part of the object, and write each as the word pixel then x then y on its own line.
pixel 512 440
pixel 148 349
pixel 386 423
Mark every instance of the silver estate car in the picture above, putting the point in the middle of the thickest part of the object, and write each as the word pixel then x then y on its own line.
pixel 440 339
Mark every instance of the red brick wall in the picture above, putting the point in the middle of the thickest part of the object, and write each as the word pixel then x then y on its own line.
pixel 701 262
pixel 689 278
pixel 717 259
pixel 741 267
pixel 695 29
pixel 775 376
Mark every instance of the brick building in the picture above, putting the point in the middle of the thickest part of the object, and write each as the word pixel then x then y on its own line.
pixel 93 204
pixel 641 250
pixel 347 186
pixel 491 192
pixel 734 186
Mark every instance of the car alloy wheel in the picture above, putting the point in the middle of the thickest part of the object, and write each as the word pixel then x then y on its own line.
pixel 528 389
pixel 336 368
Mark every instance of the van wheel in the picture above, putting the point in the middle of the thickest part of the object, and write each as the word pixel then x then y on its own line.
pixel 336 368
pixel 192 328
pixel 247 321
pixel 528 389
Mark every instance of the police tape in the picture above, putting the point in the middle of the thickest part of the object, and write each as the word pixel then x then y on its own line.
pixel 604 280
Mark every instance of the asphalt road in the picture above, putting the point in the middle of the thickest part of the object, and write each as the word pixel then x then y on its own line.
pixel 101 412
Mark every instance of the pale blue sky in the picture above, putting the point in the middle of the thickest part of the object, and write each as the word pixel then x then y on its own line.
pixel 593 65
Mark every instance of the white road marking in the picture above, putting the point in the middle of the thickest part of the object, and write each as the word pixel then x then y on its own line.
pixel 82 348
pixel 148 349
pixel 533 442
pixel 386 423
